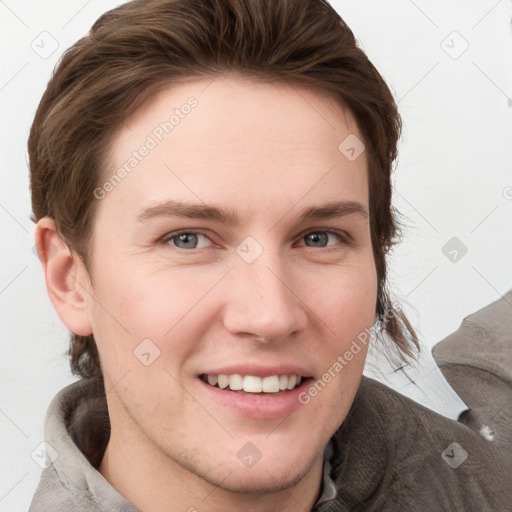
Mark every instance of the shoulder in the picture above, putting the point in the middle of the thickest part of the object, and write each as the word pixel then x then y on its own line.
pixel 76 427
pixel 483 340
pixel 393 452
pixel 477 362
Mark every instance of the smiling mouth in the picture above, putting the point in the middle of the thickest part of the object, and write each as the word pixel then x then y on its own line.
pixel 254 385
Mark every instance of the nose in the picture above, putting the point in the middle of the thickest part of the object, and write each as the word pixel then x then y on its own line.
pixel 262 302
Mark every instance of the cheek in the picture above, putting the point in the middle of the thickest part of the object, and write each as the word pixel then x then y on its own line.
pixel 132 305
pixel 345 308
pixel 347 311
pixel 345 297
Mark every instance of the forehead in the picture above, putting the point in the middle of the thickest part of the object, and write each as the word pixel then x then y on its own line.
pixel 232 139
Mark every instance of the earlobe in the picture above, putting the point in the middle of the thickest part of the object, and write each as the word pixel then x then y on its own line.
pixel 65 278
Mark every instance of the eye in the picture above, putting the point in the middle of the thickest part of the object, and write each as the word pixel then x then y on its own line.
pixel 320 238
pixel 190 240
pixel 187 240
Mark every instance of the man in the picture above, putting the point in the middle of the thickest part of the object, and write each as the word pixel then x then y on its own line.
pixel 211 185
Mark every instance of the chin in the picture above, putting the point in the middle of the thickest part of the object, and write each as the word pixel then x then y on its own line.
pixel 261 480
pixel 267 475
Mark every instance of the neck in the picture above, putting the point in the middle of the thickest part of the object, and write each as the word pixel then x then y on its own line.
pixel 152 481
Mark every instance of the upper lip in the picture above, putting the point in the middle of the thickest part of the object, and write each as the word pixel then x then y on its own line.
pixel 258 370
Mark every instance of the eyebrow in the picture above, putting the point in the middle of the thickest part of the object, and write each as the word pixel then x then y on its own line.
pixel 172 208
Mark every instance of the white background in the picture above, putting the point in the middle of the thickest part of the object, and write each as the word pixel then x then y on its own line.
pixel 454 168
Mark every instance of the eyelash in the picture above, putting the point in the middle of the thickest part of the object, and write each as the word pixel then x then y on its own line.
pixel 346 239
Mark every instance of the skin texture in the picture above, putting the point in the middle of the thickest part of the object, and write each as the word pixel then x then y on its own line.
pixel 266 152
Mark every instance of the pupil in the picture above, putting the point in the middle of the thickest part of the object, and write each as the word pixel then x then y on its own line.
pixel 189 238
pixel 318 237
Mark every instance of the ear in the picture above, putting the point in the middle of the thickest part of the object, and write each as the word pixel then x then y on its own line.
pixel 67 280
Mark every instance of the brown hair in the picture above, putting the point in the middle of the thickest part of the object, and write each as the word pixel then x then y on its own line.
pixel 143 46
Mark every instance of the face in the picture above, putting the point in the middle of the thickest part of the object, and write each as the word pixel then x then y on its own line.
pixel 236 245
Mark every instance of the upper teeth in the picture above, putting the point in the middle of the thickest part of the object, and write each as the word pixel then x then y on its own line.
pixel 253 384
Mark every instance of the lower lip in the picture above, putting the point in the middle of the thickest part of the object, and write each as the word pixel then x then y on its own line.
pixel 258 406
